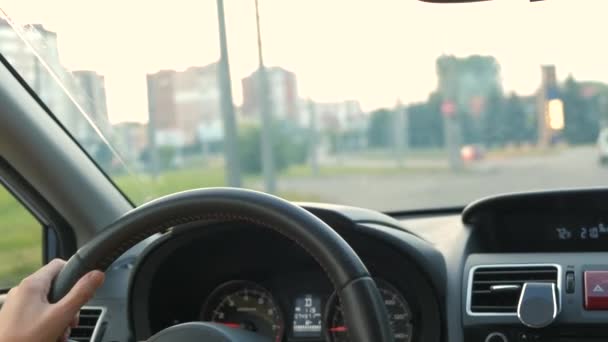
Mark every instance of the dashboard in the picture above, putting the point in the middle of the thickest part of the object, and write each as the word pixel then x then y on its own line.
pixel 248 277
pixel 517 267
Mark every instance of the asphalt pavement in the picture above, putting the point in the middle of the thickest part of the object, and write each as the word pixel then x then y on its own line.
pixel 572 167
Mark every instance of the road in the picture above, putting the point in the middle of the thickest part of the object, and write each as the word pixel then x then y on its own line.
pixel 574 167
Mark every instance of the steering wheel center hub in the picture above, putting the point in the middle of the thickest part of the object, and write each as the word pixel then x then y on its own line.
pixel 205 331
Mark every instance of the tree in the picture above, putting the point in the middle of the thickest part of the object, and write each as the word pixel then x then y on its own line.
pixel 166 157
pixel 493 121
pixel 581 115
pixel 464 81
pixel 379 132
pixel 290 147
pixel 470 128
pixel 425 123
pixel 515 119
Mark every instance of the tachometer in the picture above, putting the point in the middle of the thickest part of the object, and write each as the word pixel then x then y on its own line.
pixel 398 308
pixel 245 305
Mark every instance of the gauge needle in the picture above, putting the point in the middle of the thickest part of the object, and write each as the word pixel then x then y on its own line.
pixel 338 329
pixel 230 325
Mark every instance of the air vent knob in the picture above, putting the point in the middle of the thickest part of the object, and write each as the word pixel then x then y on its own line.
pixel 496 337
pixel 537 306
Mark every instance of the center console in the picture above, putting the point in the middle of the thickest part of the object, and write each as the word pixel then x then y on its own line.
pixel 560 297
pixel 537 268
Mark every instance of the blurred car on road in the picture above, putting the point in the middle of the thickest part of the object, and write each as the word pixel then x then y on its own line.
pixel 470 153
pixel 602 146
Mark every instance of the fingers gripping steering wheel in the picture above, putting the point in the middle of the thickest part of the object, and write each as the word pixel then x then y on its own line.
pixel 364 312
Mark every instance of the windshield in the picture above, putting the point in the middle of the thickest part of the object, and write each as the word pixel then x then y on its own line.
pixel 390 105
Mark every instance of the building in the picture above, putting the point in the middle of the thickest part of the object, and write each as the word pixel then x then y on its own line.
pixel 345 120
pixel 345 116
pixel 92 95
pixel 35 72
pixel 184 106
pixel 283 89
pixel 21 57
pixel 33 51
pixel 133 138
pixel 161 107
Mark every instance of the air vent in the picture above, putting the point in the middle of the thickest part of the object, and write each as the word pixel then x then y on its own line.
pixel 495 289
pixel 90 318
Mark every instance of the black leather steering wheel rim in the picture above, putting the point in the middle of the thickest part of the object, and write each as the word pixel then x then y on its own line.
pixel 364 311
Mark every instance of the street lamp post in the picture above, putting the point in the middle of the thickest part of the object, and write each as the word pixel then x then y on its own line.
pixel 152 146
pixel 399 132
pixel 266 109
pixel 313 137
pixel 233 169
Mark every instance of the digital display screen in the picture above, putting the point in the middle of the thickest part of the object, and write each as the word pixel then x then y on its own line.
pixel 551 232
pixel 581 233
pixel 307 320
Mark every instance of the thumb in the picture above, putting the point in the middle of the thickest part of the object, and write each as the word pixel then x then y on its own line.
pixel 80 294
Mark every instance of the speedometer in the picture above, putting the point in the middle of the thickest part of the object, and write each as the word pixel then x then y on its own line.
pixel 245 305
pixel 399 312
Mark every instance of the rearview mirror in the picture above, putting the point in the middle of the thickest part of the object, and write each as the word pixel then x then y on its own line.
pixel 459 1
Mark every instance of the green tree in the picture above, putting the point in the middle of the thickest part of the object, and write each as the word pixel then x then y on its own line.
pixel 493 121
pixel 289 147
pixel 581 115
pixel 426 123
pixel 514 119
pixel 379 132
pixel 470 126
pixel 166 156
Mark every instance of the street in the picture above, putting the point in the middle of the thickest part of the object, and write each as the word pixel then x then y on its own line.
pixel 572 167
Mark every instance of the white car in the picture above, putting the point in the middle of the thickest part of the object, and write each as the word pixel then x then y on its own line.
pixel 602 146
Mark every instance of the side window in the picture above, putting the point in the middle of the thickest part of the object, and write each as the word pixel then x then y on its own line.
pixel 20 240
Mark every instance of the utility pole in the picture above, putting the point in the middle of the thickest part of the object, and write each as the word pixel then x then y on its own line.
pixel 603 110
pixel 266 110
pixel 233 168
pixel 399 133
pixel 313 139
pixel 448 72
pixel 453 140
pixel 153 162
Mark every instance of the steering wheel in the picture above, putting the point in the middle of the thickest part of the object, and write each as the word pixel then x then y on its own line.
pixel 365 315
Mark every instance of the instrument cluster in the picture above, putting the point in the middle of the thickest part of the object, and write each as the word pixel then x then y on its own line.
pixel 241 304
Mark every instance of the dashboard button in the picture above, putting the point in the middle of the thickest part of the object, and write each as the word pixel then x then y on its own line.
pixel 570 283
pixel 528 337
pixel 596 290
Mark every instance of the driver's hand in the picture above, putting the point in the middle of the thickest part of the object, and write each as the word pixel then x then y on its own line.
pixel 27 315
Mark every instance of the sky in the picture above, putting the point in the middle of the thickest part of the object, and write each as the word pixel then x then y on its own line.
pixel 374 51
